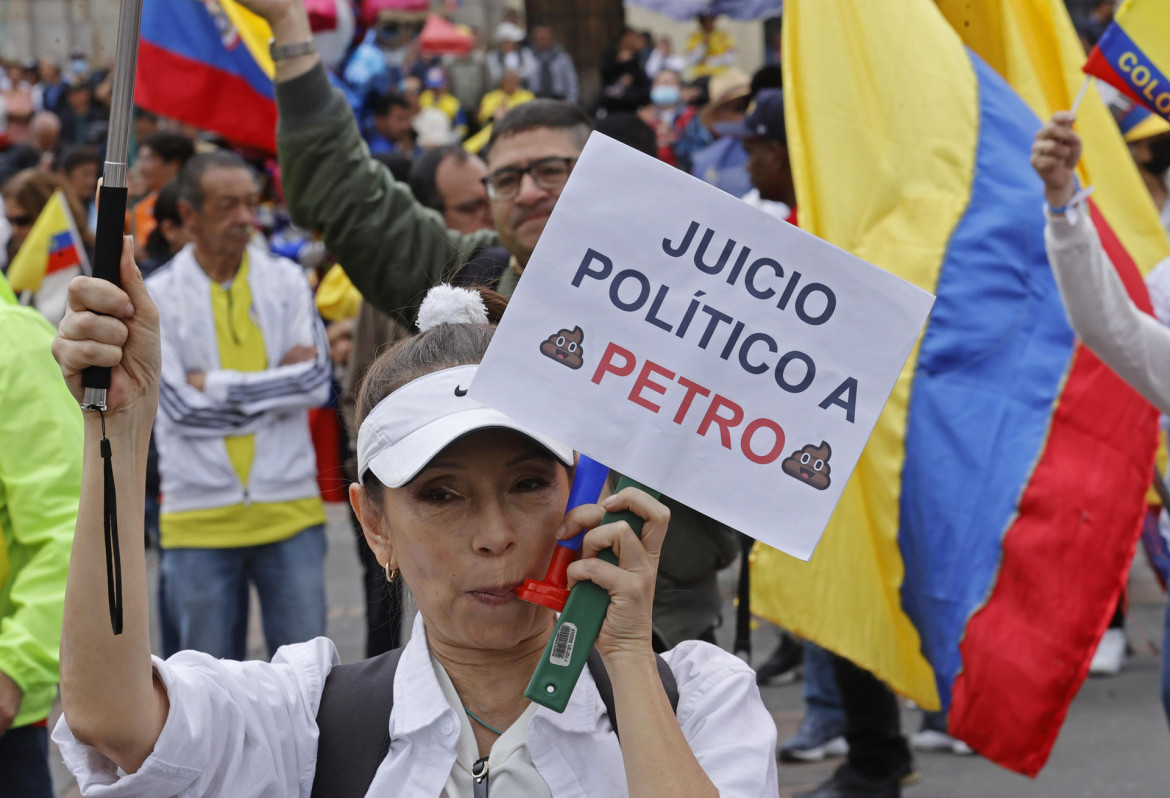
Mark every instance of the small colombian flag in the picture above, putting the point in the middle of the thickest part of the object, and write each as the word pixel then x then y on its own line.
pixel 52 247
pixel 1133 54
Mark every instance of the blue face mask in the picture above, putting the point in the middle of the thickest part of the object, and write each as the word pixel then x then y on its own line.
pixel 664 95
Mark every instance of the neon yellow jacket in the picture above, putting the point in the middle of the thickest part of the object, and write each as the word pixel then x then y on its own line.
pixel 40 481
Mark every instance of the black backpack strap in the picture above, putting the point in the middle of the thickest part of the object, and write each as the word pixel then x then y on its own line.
pixel 354 726
pixel 605 686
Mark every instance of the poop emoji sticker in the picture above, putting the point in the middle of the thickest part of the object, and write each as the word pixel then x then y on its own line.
pixel 565 346
pixel 810 465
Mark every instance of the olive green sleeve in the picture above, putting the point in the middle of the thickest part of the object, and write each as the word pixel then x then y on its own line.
pixel 392 248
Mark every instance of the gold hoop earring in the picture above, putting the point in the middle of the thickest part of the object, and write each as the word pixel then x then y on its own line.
pixel 391 575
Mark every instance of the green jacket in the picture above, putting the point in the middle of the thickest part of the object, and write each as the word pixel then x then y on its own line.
pixel 40 481
pixel 393 248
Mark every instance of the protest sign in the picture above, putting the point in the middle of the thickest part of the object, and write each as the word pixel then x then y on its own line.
pixel 682 337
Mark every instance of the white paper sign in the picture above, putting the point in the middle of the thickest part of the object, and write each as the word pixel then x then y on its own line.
pixel 704 348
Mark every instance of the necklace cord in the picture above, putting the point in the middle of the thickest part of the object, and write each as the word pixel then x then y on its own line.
pixel 478 720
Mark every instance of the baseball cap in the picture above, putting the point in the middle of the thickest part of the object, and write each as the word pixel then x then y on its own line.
pixel 1139 124
pixel 436 77
pixel 764 120
pixel 411 426
pixel 509 32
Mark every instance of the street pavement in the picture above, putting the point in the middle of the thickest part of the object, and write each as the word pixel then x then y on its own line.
pixel 1114 744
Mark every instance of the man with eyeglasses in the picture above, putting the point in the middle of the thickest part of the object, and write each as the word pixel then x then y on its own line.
pixel 393 248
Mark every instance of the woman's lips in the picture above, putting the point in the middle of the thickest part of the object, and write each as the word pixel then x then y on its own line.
pixel 495 596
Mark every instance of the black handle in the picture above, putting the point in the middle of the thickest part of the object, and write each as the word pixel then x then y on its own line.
pixel 107 259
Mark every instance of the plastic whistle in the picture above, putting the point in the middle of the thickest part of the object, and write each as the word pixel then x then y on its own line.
pixel 580 621
pixel 552 591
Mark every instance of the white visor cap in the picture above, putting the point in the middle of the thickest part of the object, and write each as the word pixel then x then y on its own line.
pixel 412 425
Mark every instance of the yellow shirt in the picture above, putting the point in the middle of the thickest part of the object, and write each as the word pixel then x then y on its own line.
pixel 241 348
pixel 447 103
pixel 494 100
pixel 719 44
pixel 337 298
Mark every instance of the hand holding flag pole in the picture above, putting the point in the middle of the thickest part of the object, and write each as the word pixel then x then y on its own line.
pixel 106 265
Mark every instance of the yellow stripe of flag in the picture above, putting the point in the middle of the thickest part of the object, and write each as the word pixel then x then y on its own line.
pixel 908 119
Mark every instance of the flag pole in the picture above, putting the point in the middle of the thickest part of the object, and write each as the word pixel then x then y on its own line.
pixel 112 198
pixel 1081 94
pixel 107 262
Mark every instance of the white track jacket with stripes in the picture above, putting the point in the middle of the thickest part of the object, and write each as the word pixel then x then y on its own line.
pixel 272 404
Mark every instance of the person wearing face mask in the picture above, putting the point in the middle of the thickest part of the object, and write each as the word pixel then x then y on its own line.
pixel 669 116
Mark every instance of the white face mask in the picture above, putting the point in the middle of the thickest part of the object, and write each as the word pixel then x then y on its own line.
pixel 665 96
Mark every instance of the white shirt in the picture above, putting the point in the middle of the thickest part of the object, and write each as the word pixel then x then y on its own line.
pixel 775 208
pixel 244 729
pixel 510 769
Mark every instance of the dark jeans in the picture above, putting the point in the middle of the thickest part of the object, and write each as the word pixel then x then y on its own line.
pixel 383 600
pixel 207 594
pixel 873 727
pixel 24 763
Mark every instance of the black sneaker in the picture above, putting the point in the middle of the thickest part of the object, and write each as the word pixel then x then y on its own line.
pixel 848 783
pixel 783 664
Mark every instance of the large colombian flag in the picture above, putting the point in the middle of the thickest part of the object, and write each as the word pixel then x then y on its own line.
pixel 979 547
pixel 206 62
pixel 1134 54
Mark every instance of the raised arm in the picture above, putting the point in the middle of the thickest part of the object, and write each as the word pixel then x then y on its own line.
pixel 392 248
pixel 1132 343
pixel 108 690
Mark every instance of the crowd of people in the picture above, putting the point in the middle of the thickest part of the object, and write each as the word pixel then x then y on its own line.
pixel 275 288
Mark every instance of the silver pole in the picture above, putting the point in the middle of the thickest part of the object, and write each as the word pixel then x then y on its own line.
pixel 106 256
pixel 122 103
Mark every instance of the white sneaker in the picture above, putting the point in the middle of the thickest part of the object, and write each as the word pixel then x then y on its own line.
pixel 933 740
pixel 1110 656
pixel 836 747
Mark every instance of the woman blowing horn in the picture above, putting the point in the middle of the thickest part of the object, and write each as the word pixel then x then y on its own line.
pixel 465 504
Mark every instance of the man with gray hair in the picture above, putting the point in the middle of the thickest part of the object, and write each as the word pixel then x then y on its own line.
pixel 244 357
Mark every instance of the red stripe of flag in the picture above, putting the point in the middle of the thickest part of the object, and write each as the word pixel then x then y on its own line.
pixel 192 92
pixel 64 252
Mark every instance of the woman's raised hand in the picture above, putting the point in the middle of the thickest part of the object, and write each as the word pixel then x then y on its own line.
pixel 1055 153
pixel 116 327
pixel 627 627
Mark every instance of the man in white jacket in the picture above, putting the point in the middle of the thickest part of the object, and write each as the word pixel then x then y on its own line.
pixel 244 357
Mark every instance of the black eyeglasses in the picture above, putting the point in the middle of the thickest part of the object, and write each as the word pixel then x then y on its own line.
pixel 549 174
pixel 20 221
